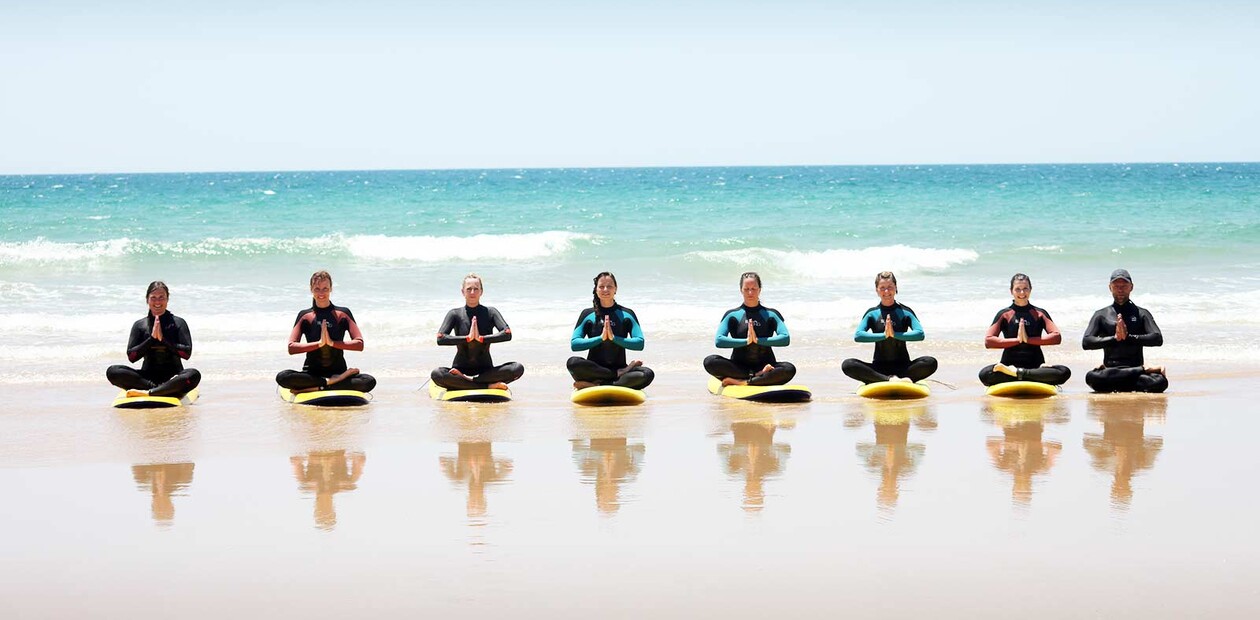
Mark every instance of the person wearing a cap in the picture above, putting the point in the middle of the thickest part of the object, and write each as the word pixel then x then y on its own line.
pixel 1121 330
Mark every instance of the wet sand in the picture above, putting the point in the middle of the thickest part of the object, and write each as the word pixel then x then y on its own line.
pixel 1080 505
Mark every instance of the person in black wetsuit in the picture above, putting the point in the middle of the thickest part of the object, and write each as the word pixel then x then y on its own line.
pixel 752 362
pixel 890 326
pixel 162 339
pixel 474 328
pixel 1020 331
pixel 325 327
pixel 1121 330
pixel 607 329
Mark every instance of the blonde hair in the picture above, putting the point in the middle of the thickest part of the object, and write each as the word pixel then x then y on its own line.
pixel 472 276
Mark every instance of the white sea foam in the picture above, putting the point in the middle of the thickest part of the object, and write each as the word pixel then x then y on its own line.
pixel 840 263
pixel 41 251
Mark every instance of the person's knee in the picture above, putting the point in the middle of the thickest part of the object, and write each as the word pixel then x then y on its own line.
pixel 194 378
pixel 438 373
pixel 928 362
pixel 1156 383
pixel 516 370
pixel 1067 372
pixel 367 383
pixel 648 376
pixel 282 377
pixel 574 362
pixel 849 365
pixel 788 370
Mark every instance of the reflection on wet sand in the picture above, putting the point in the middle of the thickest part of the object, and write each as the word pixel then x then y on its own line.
pixel 891 457
pixel 331 465
pixel 1020 450
pixel 752 452
pixel 604 454
pixel 160 442
pixel 473 428
pixel 1123 447
pixel 325 474
pixel 164 481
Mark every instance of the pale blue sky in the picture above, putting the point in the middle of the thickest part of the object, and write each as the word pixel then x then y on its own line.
pixel 175 86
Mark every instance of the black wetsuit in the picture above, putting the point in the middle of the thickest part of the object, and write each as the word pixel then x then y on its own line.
pixel 892 358
pixel 605 358
pixel 472 358
pixel 162 373
pixel 1028 358
pixel 747 360
pixel 324 362
pixel 1123 369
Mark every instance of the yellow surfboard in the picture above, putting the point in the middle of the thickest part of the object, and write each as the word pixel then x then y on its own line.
pixel 894 390
pixel 438 392
pixel 326 398
pixel 122 401
pixel 1022 389
pixel 790 393
pixel 608 395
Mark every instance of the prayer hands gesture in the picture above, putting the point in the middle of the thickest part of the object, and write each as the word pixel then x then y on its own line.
pixel 324 339
pixel 888 327
pixel 1023 332
pixel 473 333
pixel 607 335
pixel 1122 330
pixel 752 332
pixel 156 334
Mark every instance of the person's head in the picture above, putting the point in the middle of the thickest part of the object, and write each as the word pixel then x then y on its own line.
pixel 750 288
pixel 157 296
pixel 321 287
pixel 886 287
pixel 472 288
pixel 605 291
pixel 1121 285
pixel 1021 288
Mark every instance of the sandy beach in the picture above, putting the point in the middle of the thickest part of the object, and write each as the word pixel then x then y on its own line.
pixel 689 503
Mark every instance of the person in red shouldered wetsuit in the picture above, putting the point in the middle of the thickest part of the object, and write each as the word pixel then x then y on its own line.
pixel 1020 331
pixel 325 327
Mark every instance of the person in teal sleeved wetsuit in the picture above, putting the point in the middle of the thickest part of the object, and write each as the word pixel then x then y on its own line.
pixel 607 329
pixel 752 362
pixel 890 326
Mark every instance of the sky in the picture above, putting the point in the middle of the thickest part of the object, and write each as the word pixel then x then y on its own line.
pixel 132 86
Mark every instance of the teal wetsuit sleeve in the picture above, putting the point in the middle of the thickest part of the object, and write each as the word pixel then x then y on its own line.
pixel 723 340
pixel 579 342
pixel 915 333
pixel 781 338
pixel 633 342
pixel 865 326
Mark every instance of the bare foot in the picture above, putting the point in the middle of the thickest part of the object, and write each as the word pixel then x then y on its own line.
pixel 305 390
pixel 767 369
pixel 497 386
pixel 456 373
pixel 137 393
pixel 1157 370
pixel 900 379
pixel 729 381
pixel 582 385
pixel 629 367
pixel 350 372
pixel 1006 370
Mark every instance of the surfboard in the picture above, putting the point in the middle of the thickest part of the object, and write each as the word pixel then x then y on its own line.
pixel 122 401
pixel 438 392
pixel 790 393
pixel 894 390
pixel 326 398
pixel 1022 389
pixel 608 395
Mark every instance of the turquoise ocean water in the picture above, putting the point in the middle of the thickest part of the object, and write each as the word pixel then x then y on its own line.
pixel 237 249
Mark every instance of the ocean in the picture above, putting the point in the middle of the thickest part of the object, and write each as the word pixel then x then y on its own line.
pixel 237 249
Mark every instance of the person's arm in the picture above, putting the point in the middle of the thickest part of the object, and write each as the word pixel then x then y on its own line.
pixel 1050 336
pixel 295 337
pixel 1153 337
pixel 504 332
pixel 579 342
pixel 993 338
pixel 182 342
pixel 1092 338
pixel 915 333
pixel 723 339
pixel 448 325
pixel 865 333
pixel 356 337
pixel 633 342
pixel 139 341
pixel 781 337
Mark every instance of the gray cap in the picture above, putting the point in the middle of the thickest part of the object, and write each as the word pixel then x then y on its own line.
pixel 1121 274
